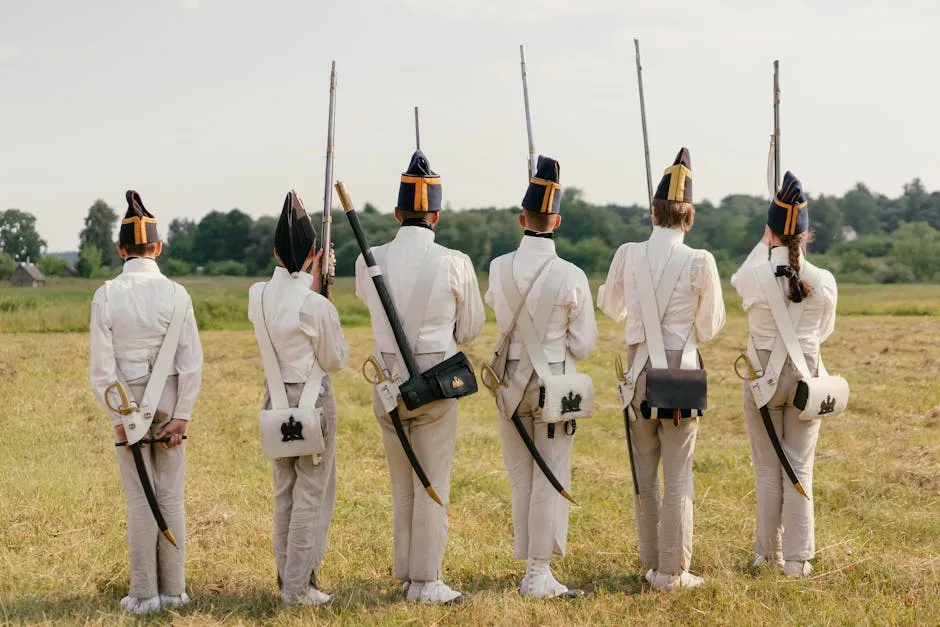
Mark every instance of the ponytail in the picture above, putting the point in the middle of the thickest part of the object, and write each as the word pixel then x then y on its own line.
pixel 799 288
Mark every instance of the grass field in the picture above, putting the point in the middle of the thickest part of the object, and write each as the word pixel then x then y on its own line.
pixel 877 489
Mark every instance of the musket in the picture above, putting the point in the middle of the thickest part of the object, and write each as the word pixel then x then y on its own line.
pixel 417 131
pixel 327 269
pixel 126 408
pixel 773 156
pixel 528 116
pixel 388 390
pixel 646 143
pixel 621 379
pixel 776 125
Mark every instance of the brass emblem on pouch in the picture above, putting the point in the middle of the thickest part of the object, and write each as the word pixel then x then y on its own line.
pixel 457 382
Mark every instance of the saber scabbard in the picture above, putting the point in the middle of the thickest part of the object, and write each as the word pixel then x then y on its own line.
pixel 401 341
pixel 539 460
pixel 618 368
pixel 781 454
pixel 152 440
pixel 149 493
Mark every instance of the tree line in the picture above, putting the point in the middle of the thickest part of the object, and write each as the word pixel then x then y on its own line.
pixel 861 236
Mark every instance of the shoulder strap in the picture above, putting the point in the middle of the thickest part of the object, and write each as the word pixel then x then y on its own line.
pixel 533 330
pixel 514 298
pixel 272 371
pixel 167 354
pixel 785 326
pixel 421 293
pixel 653 302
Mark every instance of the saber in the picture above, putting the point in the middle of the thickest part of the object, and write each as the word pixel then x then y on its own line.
pixel 417 131
pixel 646 143
pixel 127 407
pixel 528 117
pixel 618 367
pixel 152 440
pixel 381 375
pixel 327 268
pixel 539 460
pixel 781 454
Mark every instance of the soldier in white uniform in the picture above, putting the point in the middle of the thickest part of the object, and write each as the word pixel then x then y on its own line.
pixel 540 514
pixel 304 329
pixel 695 310
pixel 785 524
pixel 454 315
pixel 130 316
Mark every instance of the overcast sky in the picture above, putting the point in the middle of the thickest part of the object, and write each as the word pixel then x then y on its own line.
pixel 215 104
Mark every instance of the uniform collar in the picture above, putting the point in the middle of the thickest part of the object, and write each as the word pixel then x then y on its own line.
pixel 141 265
pixel 414 235
pixel 281 274
pixel 538 245
pixel 668 237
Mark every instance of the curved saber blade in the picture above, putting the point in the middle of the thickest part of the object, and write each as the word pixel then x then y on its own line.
pixel 412 458
pixel 781 454
pixel 148 492
pixel 539 460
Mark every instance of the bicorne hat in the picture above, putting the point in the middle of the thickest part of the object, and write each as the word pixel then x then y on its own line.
pixel 294 236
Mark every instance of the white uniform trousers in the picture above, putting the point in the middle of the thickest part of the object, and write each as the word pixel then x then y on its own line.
pixel 419 525
pixel 785 524
pixel 304 498
pixel 539 512
pixel 664 527
pixel 157 567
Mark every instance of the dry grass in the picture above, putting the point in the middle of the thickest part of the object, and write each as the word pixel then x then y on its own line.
pixel 63 558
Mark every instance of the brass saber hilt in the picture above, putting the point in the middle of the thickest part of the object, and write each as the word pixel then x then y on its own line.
pixel 126 406
pixel 750 372
pixel 378 373
pixel 490 379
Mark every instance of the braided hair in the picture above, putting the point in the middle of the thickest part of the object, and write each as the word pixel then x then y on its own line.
pixel 799 288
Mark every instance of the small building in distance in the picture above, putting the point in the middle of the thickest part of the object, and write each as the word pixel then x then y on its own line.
pixel 27 275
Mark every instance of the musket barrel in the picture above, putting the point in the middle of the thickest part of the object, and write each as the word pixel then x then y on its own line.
pixel 326 231
pixel 417 131
pixel 528 116
pixel 646 143
pixel 776 125
pixel 378 279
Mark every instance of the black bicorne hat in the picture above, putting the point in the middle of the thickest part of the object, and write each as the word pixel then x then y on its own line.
pixel 787 214
pixel 294 236
pixel 420 188
pixel 676 184
pixel 138 227
pixel 542 194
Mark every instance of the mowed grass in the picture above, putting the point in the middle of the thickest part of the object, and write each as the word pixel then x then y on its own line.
pixel 221 303
pixel 63 558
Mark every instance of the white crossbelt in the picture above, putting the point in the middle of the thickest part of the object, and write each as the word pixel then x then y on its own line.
pixel 272 370
pixel 418 300
pixel 532 330
pixel 137 423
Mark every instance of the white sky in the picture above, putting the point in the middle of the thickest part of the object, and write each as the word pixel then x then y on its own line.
pixel 215 104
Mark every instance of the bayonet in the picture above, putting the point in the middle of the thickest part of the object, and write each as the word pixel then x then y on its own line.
pixel 528 117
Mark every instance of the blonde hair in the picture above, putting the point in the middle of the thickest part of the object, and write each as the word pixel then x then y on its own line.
pixel 670 214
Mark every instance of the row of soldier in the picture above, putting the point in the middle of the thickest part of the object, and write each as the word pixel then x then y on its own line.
pixel 146 364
